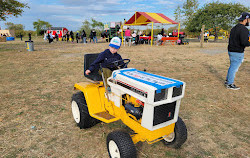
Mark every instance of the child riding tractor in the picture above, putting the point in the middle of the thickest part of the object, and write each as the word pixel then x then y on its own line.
pixel 148 104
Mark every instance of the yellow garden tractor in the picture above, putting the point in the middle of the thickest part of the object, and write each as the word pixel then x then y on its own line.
pixel 147 103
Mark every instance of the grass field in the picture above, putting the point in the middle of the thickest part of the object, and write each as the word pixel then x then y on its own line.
pixel 36 89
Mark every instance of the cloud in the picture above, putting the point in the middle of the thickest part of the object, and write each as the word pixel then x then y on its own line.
pixel 165 2
pixel 90 2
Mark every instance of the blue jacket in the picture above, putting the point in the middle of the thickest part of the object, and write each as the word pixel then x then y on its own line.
pixel 105 58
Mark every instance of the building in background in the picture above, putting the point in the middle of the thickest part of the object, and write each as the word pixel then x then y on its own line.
pixel 61 31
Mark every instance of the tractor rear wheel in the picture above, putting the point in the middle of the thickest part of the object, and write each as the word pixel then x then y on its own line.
pixel 178 137
pixel 120 145
pixel 80 111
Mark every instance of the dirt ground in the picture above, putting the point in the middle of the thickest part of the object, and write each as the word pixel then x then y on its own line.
pixel 36 89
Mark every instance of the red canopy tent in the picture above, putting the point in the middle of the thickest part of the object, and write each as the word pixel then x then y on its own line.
pixel 145 18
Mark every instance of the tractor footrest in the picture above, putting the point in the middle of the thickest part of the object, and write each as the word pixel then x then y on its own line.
pixel 105 117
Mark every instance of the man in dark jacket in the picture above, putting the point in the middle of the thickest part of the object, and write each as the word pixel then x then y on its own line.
pixel 30 36
pixel 72 36
pixel 67 36
pixel 56 36
pixel 83 36
pixel 237 42
pixel 77 37
pixel 94 36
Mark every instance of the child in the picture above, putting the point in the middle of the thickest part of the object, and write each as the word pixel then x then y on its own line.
pixel 106 57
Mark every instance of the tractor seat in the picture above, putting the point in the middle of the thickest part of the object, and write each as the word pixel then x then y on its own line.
pixel 88 60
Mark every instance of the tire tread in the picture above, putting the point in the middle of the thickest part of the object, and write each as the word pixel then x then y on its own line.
pixel 86 121
pixel 180 135
pixel 124 142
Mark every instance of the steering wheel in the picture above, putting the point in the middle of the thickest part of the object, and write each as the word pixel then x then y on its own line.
pixel 118 64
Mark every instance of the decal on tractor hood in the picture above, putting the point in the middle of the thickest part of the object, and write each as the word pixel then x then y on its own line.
pixel 156 81
pixel 148 78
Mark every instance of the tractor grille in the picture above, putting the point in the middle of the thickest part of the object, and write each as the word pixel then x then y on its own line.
pixel 161 95
pixel 177 91
pixel 164 113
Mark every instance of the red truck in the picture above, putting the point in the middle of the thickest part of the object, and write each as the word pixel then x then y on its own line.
pixel 175 33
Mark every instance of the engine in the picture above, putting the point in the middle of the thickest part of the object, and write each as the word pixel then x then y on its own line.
pixel 135 111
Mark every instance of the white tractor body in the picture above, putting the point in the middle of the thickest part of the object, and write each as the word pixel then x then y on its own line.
pixel 161 95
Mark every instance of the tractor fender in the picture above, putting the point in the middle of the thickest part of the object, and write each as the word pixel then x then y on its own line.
pixel 93 93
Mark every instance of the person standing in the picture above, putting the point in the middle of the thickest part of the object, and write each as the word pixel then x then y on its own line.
pixel 77 36
pixel 72 36
pixel 94 36
pixel 237 42
pixel 162 31
pixel 127 35
pixel 56 36
pixel 21 36
pixel 90 36
pixel 159 39
pixel 67 36
pixel 30 36
pixel 50 37
pixel 83 36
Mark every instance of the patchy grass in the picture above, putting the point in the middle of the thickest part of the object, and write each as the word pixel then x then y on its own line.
pixel 36 89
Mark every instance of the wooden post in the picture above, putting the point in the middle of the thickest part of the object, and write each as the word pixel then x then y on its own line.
pixel 202 35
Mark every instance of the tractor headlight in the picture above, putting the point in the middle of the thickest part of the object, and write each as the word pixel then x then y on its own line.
pixel 160 95
pixel 177 91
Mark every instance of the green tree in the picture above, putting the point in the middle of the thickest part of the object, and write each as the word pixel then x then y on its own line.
pixel 177 14
pixel 86 27
pixel 12 26
pixel 18 28
pixel 41 25
pixel 11 7
pixel 97 24
pixel 216 15
pixel 188 9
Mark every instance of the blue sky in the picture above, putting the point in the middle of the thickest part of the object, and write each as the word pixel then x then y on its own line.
pixel 71 13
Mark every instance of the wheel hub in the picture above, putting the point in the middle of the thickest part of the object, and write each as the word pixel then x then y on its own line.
pixel 75 111
pixel 169 138
pixel 114 150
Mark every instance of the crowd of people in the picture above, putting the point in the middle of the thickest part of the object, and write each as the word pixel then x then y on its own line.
pixel 130 36
pixel 79 37
pixel 136 37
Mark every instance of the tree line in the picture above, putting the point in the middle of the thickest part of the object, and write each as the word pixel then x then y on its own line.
pixel 41 27
pixel 215 16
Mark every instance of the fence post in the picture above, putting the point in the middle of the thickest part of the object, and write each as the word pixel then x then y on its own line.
pixel 202 36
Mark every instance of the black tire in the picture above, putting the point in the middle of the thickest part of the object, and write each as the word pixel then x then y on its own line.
pixel 80 109
pixel 125 147
pixel 180 135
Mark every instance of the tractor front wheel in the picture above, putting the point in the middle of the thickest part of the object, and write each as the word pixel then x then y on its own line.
pixel 178 137
pixel 80 111
pixel 120 145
